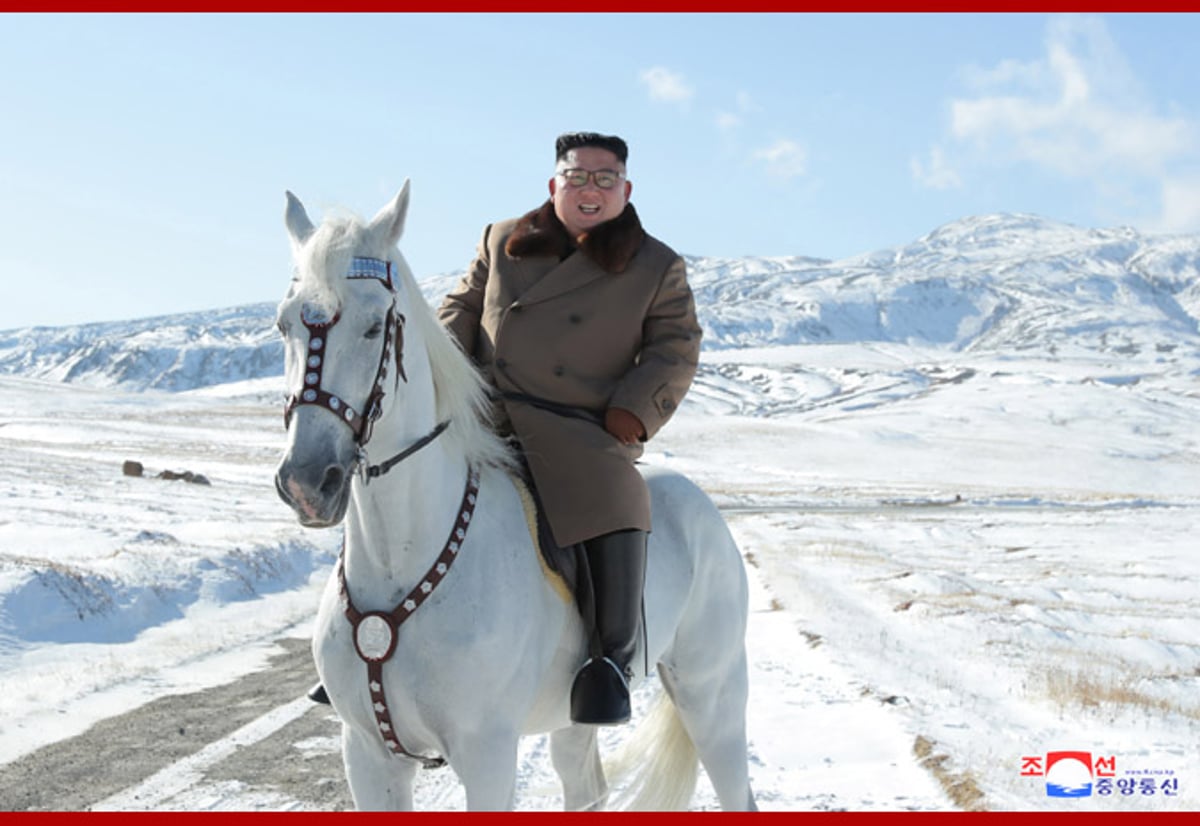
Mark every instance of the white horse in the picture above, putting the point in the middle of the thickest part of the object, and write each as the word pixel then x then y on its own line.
pixel 494 640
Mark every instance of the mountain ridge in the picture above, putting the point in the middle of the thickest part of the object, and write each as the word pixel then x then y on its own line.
pixel 1006 281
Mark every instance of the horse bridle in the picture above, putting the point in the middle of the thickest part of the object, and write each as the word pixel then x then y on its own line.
pixel 361 423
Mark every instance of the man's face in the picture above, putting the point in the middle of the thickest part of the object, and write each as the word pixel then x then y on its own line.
pixel 581 208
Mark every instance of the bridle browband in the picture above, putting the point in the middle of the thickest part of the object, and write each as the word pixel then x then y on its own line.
pixel 361 423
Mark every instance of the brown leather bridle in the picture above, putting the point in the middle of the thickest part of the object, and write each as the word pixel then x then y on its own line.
pixel 375 633
pixel 361 422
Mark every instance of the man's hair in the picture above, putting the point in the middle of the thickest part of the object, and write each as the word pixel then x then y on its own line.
pixel 576 140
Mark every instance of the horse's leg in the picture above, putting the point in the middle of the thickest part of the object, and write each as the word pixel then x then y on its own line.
pixel 713 711
pixel 706 673
pixel 576 757
pixel 379 782
pixel 486 763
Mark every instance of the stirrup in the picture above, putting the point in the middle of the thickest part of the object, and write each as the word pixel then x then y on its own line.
pixel 317 694
pixel 600 694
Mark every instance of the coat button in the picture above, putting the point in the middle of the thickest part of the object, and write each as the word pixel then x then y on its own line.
pixel 558 370
pixel 575 318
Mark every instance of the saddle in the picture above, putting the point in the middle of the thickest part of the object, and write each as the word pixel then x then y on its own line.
pixel 565 567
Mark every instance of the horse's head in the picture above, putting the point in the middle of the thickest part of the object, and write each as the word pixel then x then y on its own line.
pixel 343 326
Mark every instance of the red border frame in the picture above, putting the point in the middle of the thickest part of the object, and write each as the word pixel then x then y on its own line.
pixel 611 6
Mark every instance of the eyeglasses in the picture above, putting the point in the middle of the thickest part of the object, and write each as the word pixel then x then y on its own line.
pixel 577 178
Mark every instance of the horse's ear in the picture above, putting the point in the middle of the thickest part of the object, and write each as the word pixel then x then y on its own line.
pixel 298 224
pixel 388 225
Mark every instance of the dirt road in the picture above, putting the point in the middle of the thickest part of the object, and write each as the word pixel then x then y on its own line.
pixel 167 754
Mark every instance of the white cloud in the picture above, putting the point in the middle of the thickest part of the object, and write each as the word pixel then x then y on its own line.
pixel 938 174
pixel 784 158
pixel 1077 112
pixel 1072 113
pixel 743 105
pixel 665 85
pixel 728 120
pixel 1180 205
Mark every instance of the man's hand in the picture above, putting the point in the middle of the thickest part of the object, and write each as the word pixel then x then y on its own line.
pixel 626 427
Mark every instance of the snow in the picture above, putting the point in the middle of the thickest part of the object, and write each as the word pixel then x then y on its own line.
pixel 968 520
pixel 994 282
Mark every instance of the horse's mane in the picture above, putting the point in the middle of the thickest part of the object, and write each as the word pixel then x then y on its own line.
pixel 461 392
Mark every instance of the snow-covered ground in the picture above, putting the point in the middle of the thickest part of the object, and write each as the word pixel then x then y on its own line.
pixel 958 560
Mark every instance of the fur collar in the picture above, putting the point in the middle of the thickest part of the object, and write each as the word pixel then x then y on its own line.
pixel 611 245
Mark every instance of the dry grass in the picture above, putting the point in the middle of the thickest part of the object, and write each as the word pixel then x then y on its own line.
pixel 752 561
pixel 962 789
pixel 1075 689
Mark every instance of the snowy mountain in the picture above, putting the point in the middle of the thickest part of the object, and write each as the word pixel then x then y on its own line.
pixel 175 352
pixel 962 474
pixel 992 283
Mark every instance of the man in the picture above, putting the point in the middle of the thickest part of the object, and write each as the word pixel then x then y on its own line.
pixel 587 328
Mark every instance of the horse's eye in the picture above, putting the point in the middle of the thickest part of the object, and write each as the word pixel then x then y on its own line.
pixel 375 331
pixel 284 327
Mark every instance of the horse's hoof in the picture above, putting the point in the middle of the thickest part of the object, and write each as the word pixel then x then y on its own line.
pixel 600 694
pixel 317 694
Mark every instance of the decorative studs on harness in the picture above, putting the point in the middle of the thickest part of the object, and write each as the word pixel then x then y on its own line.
pixel 361 423
pixel 375 632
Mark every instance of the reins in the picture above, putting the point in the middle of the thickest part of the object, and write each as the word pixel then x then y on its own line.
pixel 370 472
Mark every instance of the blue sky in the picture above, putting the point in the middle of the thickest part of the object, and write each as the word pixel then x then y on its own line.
pixel 144 158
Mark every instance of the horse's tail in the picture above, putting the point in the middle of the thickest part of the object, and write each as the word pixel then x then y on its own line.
pixel 664 758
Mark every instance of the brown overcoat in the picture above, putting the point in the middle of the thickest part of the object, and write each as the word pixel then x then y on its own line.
pixel 608 323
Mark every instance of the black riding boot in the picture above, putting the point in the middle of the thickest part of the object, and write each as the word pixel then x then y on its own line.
pixel 617 565
pixel 317 694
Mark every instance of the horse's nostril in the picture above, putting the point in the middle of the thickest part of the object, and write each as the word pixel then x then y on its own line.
pixel 331 485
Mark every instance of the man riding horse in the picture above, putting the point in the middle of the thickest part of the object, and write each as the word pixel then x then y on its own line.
pixel 586 328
